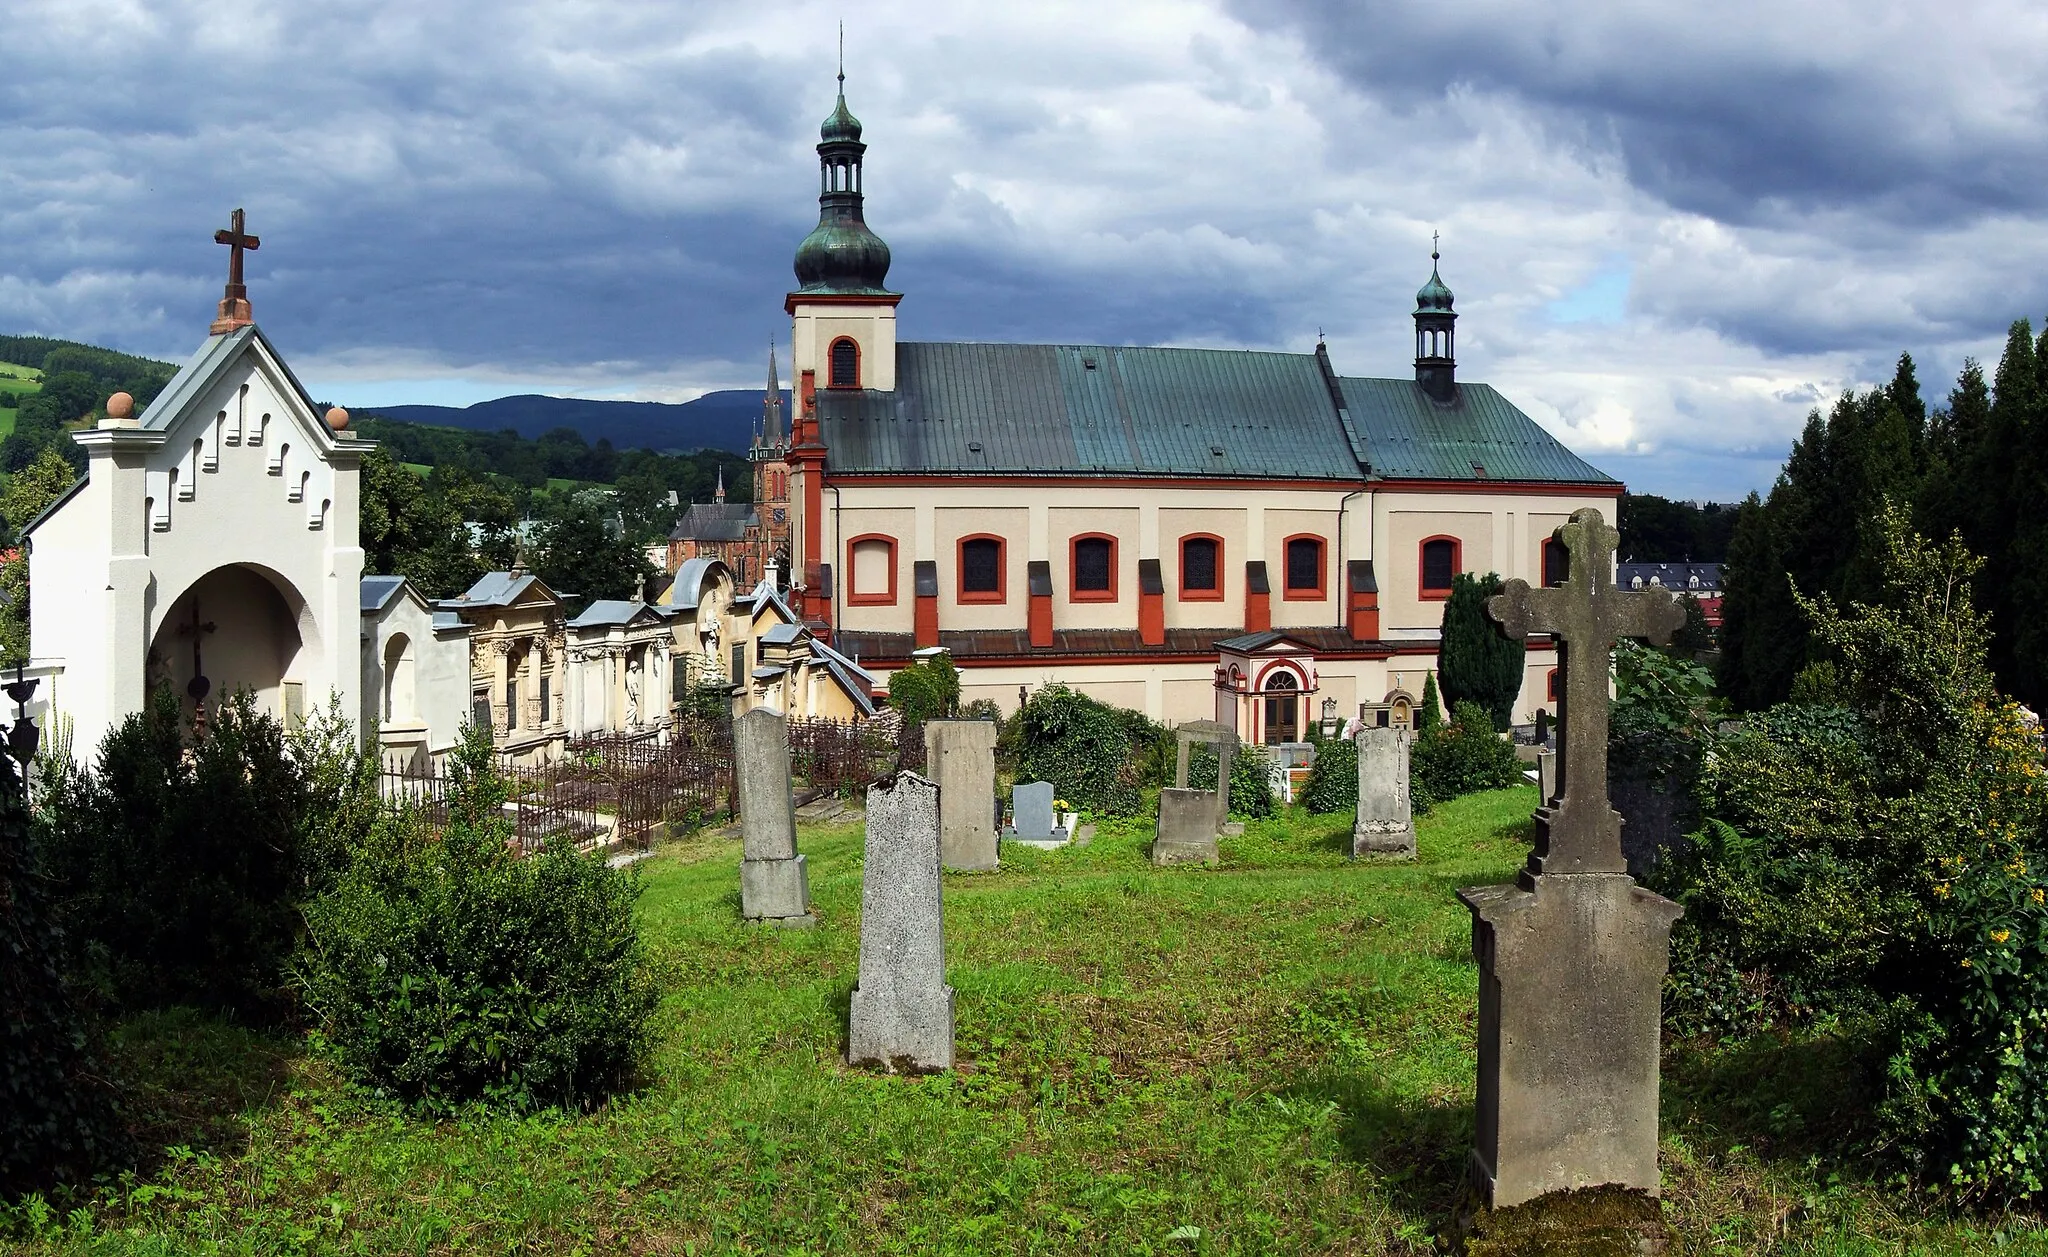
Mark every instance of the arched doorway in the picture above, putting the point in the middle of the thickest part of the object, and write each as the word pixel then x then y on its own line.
pixel 238 627
pixel 1283 707
pixel 399 703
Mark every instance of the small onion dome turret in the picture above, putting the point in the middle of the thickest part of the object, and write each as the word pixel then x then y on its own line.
pixel 842 127
pixel 1433 297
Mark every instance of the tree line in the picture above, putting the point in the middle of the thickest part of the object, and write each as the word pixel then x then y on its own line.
pixel 77 380
pixel 1972 467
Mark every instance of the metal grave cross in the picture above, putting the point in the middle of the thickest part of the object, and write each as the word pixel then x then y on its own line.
pixel 1579 831
pixel 236 238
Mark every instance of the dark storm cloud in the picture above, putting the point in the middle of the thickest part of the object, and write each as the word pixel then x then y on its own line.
pixel 1911 114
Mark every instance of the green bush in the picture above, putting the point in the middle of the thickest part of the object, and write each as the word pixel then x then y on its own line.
pixel 926 690
pixel 1081 746
pixel 180 871
pixel 1460 756
pixel 58 1121
pixel 1430 713
pixel 1332 784
pixel 445 969
pixel 1251 781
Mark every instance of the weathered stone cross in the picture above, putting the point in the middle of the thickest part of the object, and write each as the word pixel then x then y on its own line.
pixel 1578 832
pixel 236 238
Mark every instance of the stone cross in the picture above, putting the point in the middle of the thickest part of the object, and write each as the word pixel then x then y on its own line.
pixel 234 307
pixel 1579 832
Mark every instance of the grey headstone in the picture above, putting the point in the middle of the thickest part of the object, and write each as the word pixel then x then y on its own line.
pixel 902 1016
pixel 774 884
pixel 961 757
pixel 1187 827
pixel 1573 954
pixel 1031 810
pixel 1223 740
pixel 1386 827
pixel 1546 776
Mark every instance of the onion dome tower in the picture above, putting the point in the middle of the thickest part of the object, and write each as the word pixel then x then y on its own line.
pixel 1436 362
pixel 841 256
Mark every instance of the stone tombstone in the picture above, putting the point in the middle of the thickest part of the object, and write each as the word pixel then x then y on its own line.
pixel 1385 828
pixel 1546 775
pixel 1031 818
pixel 1572 954
pixel 961 756
pixel 774 885
pixel 1190 819
pixel 902 1015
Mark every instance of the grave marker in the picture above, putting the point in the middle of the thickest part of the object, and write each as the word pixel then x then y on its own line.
pixel 1032 816
pixel 1385 828
pixel 902 1014
pixel 1573 954
pixel 774 886
pixel 961 755
pixel 1191 819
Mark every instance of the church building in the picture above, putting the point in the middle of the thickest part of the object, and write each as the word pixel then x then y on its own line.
pixel 1253 537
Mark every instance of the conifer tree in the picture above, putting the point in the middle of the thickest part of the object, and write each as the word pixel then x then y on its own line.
pixel 1477 663
pixel 1431 713
pixel 1763 635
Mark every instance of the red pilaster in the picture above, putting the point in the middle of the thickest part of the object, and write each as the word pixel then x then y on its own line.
pixel 1258 598
pixel 1038 584
pixel 924 623
pixel 1151 603
pixel 1362 601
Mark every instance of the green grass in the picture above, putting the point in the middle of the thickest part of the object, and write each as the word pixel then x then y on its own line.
pixel 1273 1056
pixel 27 381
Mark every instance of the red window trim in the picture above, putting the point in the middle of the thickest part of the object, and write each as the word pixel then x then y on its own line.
pixel 1073 568
pixel 1322 588
pixel 1181 569
pixel 836 342
pixel 855 596
pixel 1550 686
pixel 1543 559
pixel 1424 592
pixel 1002 590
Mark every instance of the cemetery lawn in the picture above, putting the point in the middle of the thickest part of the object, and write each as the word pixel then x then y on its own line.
pixel 1273 1056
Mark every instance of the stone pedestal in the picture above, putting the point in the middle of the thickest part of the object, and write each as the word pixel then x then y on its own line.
pixel 1187 827
pixel 961 757
pixel 902 1015
pixel 1385 829
pixel 774 885
pixel 1571 977
pixel 1546 775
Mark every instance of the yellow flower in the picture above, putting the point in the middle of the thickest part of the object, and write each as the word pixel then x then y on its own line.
pixel 1966 962
pixel 1942 890
pixel 2039 895
pixel 1999 936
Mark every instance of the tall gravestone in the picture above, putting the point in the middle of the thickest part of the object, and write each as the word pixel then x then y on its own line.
pixel 774 886
pixel 961 757
pixel 1572 955
pixel 902 1015
pixel 1385 829
pixel 1190 819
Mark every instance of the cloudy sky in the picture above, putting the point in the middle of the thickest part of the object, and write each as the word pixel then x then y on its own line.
pixel 1671 228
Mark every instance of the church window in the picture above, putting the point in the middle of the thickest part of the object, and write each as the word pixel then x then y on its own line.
pixel 871 561
pixel 1441 561
pixel 1550 685
pixel 1305 567
pixel 845 363
pixel 1557 562
pixel 981 569
pixel 1094 569
pixel 544 696
pixel 1201 568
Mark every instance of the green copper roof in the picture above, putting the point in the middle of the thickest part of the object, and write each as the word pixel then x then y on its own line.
pixel 1044 409
pixel 1434 297
pixel 1403 435
pixel 842 256
pixel 841 127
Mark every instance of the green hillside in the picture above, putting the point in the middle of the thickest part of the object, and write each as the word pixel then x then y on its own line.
pixel 18 383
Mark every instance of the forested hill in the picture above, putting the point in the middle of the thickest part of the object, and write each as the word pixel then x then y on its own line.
pixel 723 420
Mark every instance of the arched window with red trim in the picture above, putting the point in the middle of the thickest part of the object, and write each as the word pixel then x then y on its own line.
pixel 1557 562
pixel 844 363
pixel 1306 574
pixel 871 570
pixel 1091 568
pixel 1442 558
pixel 982 576
pixel 1201 568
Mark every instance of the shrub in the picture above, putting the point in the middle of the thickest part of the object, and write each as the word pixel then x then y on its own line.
pixel 1251 779
pixel 181 872
pixel 445 969
pixel 1477 663
pixel 1431 713
pixel 1082 747
pixel 57 1114
pixel 1332 784
pixel 1460 757
pixel 926 690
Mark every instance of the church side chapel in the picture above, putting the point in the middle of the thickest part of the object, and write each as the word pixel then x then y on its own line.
pixel 211 545
pixel 1141 522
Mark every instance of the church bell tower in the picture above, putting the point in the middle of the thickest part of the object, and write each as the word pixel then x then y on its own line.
pixel 1436 360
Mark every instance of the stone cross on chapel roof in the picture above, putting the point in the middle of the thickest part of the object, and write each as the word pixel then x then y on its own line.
pixel 234 307
pixel 1579 832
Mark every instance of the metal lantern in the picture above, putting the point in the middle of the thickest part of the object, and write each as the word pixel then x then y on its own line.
pixel 23 737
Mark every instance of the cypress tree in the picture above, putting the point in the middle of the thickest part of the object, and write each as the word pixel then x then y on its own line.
pixel 1994 486
pixel 1431 713
pixel 1477 663
pixel 1904 393
pixel 1763 634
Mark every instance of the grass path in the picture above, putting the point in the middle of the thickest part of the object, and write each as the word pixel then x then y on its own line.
pixel 1274 1056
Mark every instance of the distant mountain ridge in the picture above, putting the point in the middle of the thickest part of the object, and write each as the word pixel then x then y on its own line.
pixel 724 420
